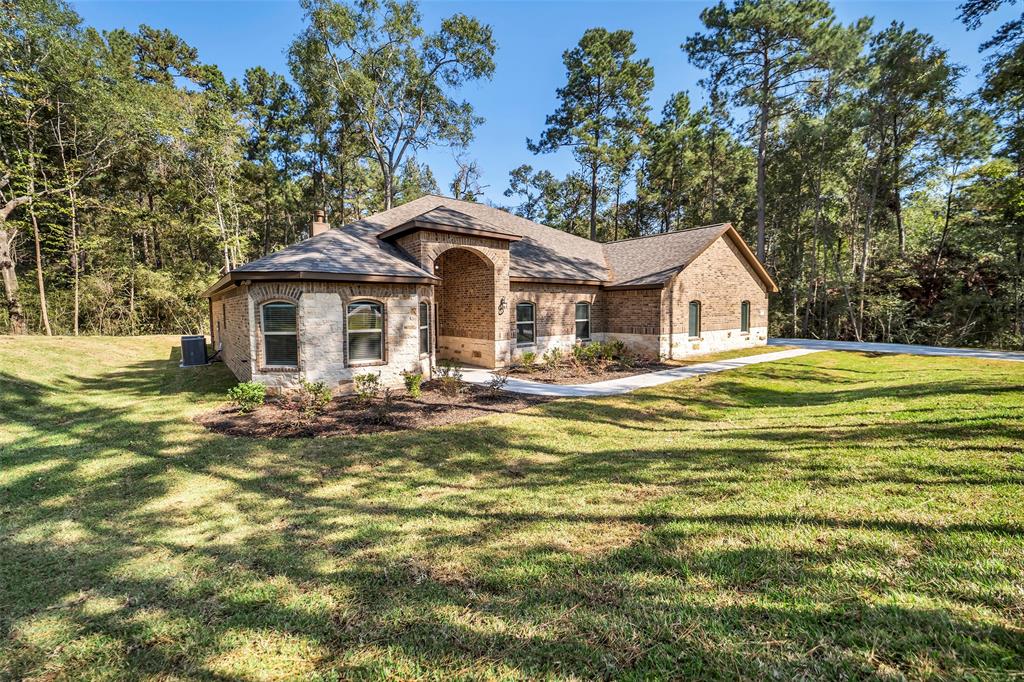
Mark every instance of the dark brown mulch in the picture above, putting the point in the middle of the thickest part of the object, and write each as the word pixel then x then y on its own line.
pixel 346 416
pixel 564 374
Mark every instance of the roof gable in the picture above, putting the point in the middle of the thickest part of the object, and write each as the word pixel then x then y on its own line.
pixel 653 261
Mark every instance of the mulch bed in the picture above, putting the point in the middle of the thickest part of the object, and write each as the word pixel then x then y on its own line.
pixel 564 374
pixel 346 416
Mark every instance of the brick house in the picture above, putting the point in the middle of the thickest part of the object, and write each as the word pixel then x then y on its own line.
pixel 438 278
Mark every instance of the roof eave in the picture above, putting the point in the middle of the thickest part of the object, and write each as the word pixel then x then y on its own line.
pixel 236 276
pixel 555 280
pixel 752 259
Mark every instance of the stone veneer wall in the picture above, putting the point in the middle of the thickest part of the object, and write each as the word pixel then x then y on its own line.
pixel 320 321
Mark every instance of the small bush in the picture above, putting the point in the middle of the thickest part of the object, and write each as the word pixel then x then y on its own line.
pixel 553 358
pixel 499 378
pixel 528 359
pixel 413 381
pixel 383 408
pixel 312 397
pixel 248 395
pixel 614 350
pixel 367 386
pixel 448 368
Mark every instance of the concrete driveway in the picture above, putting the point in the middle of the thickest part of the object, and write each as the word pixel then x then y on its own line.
pixel 907 349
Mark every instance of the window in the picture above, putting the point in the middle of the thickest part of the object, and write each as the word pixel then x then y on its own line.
pixel 280 340
pixel 694 318
pixel 424 328
pixel 365 331
pixel 583 321
pixel 745 316
pixel 525 326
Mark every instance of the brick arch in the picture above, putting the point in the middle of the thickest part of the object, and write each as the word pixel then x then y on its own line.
pixel 466 305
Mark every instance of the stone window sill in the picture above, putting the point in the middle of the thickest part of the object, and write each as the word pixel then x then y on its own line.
pixel 368 363
pixel 280 368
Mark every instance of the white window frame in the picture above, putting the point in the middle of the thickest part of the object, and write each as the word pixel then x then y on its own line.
pixel 263 329
pixel 576 314
pixel 531 323
pixel 349 331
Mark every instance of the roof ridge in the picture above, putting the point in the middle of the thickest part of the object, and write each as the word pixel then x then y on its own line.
pixel 665 234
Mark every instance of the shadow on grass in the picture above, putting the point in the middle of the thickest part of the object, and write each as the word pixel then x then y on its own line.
pixel 495 547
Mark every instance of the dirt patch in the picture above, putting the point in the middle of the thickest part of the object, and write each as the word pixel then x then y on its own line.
pixel 566 374
pixel 346 416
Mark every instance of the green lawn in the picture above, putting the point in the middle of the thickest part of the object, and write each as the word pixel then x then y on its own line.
pixel 833 515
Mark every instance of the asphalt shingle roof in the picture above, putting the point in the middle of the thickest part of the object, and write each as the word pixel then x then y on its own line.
pixel 650 261
pixel 538 252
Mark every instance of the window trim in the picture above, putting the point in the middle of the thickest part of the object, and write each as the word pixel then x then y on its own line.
pixel 421 326
pixel 266 363
pixel 532 323
pixel 690 326
pixel 744 317
pixel 382 360
pixel 576 315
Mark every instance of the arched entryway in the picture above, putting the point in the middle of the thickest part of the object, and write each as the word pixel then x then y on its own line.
pixel 466 308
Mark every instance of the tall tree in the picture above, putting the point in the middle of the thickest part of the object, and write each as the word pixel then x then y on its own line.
pixel 601 108
pixel 399 77
pixel 764 54
pixel 912 84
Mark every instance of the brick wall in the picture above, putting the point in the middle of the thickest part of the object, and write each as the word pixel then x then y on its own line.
pixel 465 297
pixel 720 279
pixel 487 345
pixel 230 332
pixel 555 307
pixel 633 311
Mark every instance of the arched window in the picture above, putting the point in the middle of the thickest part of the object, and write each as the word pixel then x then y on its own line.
pixel 365 323
pixel 694 318
pixel 424 328
pixel 280 338
pixel 583 321
pixel 745 316
pixel 525 324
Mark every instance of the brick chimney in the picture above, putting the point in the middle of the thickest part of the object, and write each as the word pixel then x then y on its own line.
pixel 319 225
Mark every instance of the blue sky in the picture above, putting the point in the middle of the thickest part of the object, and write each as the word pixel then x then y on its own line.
pixel 531 37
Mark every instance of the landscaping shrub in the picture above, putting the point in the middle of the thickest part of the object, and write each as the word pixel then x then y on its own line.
pixel 383 408
pixel 413 381
pixel 449 378
pixel 498 380
pixel 248 395
pixel 312 397
pixel 553 358
pixel 367 386
pixel 528 359
pixel 615 349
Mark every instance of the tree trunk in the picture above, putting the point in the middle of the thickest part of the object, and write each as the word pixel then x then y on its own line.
pixel 593 202
pixel 10 279
pixel 866 249
pixel 43 308
pixel 901 231
pixel 75 264
pixel 762 153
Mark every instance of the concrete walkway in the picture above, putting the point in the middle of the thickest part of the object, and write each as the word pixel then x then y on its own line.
pixel 975 353
pixel 627 384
